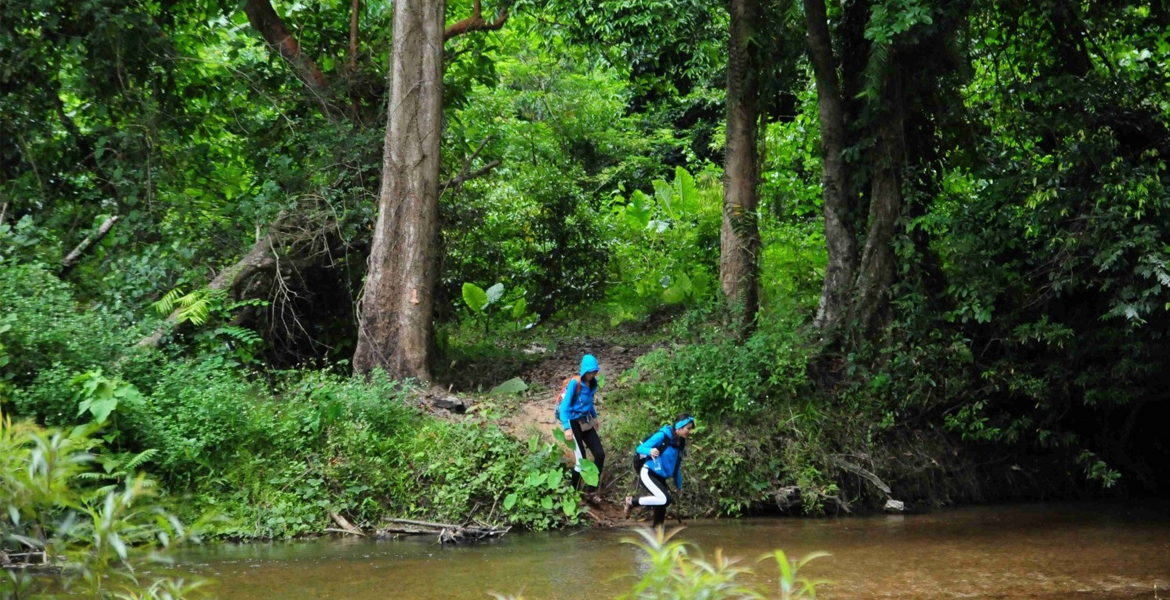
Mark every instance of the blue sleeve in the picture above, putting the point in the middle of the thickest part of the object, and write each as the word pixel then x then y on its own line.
pixel 651 443
pixel 568 397
pixel 678 477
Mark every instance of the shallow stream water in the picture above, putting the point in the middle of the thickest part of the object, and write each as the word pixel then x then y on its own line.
pixel 1095 551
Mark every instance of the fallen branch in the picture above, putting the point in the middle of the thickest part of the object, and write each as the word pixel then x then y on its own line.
pixel 861 472
pixel 345 525
pixel 91 239
pixel 346 531
pixel 284 241
pixel 448 533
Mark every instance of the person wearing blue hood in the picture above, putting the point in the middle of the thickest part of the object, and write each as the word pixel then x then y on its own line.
pixel 578 418
pixel 660 458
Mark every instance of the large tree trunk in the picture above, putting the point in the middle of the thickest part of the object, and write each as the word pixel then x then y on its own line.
pixel 877 261
pixel 837 208
pixel 395 329
pixel 740 239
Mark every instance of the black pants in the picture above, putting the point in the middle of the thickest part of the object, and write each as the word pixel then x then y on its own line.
pixel 591 441
pixel 659 498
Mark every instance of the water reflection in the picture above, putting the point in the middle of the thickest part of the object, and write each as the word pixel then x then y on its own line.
pixel 1033 551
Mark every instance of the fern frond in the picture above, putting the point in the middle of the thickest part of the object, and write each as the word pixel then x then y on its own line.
pixel 166 304
pixel 141 458
pixel 875 70
pixel 240 334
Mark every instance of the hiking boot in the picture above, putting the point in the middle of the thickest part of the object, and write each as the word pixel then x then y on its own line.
pixel 594 498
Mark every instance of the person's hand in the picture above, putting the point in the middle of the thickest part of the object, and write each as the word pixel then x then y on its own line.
pixel 597 425
pixel 654 453
pixel 568 434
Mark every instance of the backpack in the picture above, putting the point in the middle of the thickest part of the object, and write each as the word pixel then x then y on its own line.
pixel 572 401
pixel 661 447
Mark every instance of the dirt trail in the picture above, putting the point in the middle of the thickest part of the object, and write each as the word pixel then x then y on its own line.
pixel 546 376
pixel 535 413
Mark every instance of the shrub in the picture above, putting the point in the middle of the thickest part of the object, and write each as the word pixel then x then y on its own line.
pixel 43 326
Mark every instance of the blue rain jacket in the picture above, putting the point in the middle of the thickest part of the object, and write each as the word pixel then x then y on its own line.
pixel 669 460
pixel 570 410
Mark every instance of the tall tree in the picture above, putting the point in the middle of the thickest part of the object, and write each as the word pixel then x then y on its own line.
pixel 876 271
pixel 838 204
pixel 395 329
pixel 740 237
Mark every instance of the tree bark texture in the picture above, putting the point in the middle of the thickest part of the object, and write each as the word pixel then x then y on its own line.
pixel 395 329
pixel 740 236
pixel 876 271
pixel 837 208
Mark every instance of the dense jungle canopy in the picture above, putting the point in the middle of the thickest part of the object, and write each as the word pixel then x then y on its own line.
pixel 923 240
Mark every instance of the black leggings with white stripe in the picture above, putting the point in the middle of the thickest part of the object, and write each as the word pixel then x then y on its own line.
pixel 659 498
pixel 587 439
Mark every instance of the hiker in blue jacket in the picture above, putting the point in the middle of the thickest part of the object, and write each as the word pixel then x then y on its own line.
pixel 579 419
pixel 660 458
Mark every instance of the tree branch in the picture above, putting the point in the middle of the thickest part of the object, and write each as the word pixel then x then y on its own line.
pixel 464 176
pixel 456 182
pixel 476 23
pixel 264 19
pixel 353 36
pixel 89 240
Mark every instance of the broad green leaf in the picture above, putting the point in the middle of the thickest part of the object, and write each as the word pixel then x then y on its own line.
pixel 559 434
pixel 102 407
pixel 686 194
pixel 546 502
pixel 589 472
pixel 569 507
pixel 555 477
pixel 639 210
pixel 519 308
pixel 510 501
pixel 673 295
pixel 494 293
pixel 515 385
pixel 684 283
pixel 474 296
pixel 665 197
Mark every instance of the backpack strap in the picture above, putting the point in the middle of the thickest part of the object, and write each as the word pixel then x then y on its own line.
pixel 576 391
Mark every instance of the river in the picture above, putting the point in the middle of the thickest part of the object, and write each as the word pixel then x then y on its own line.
pixel 1085 551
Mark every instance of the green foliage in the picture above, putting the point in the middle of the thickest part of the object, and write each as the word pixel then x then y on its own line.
pixel 103 537
pixel 674 570
pixel 100 395
pixel 43 325
pixel 663 245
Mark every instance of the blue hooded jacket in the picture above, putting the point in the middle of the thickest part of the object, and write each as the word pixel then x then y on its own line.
pixel 669 460
pixel 584 404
